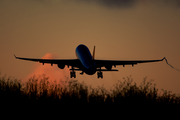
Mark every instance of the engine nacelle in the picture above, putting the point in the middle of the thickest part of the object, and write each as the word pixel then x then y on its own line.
pixel 109 67
pixel 61 66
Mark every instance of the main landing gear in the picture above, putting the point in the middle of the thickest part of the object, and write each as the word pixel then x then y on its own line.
pixel 73 74
pixel 99 74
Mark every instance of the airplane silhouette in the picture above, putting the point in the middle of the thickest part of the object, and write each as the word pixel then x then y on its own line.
pixel 85 62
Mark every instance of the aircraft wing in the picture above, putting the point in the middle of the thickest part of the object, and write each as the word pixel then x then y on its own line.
pixel 103 63
pixel 68 62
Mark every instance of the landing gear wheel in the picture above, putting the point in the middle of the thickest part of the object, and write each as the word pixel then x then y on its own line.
pixel 73 74
pixel 99 74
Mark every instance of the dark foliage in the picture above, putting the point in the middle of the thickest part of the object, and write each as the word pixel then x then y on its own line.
pixel 38 95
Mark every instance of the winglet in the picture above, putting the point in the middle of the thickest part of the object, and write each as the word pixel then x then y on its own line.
pixel 93 53
pixel 15 56
pixel 163 58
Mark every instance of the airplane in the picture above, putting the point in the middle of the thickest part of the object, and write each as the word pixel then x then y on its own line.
pixel 87 63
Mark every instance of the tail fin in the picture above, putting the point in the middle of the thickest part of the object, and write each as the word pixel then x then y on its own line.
pixel 93 53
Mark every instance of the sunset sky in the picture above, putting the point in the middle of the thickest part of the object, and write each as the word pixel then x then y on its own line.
pixel 120 30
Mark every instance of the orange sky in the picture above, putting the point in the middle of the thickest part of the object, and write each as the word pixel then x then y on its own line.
pixel 120 31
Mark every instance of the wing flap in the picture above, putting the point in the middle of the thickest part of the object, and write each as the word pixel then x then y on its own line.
pixel 103 63
pixel 69 62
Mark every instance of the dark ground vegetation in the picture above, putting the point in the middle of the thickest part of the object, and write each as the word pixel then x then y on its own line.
pixel 38 95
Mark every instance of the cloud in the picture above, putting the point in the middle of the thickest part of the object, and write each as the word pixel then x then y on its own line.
pixel 53 72
pixel 131 3
pixel 117 3
pixel 112 3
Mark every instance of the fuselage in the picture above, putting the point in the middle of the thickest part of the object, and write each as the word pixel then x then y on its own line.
pixel 85 57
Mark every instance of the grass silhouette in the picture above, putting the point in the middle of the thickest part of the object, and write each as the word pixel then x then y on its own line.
pixel 38 94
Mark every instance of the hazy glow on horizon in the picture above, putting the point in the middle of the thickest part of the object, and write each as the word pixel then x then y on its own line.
pixel 53 72
pixel 135 30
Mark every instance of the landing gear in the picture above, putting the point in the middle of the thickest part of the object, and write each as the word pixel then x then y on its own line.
pixel 99 74
pixel 73 74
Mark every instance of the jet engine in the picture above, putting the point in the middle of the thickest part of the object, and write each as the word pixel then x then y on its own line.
pixel 61 66
pixel 108 67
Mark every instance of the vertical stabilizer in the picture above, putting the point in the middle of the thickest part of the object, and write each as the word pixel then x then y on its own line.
pixel 93 53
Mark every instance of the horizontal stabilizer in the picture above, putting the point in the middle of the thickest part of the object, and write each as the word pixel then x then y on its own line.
pixel 96 70
pixel 76 69
pixel 106 70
